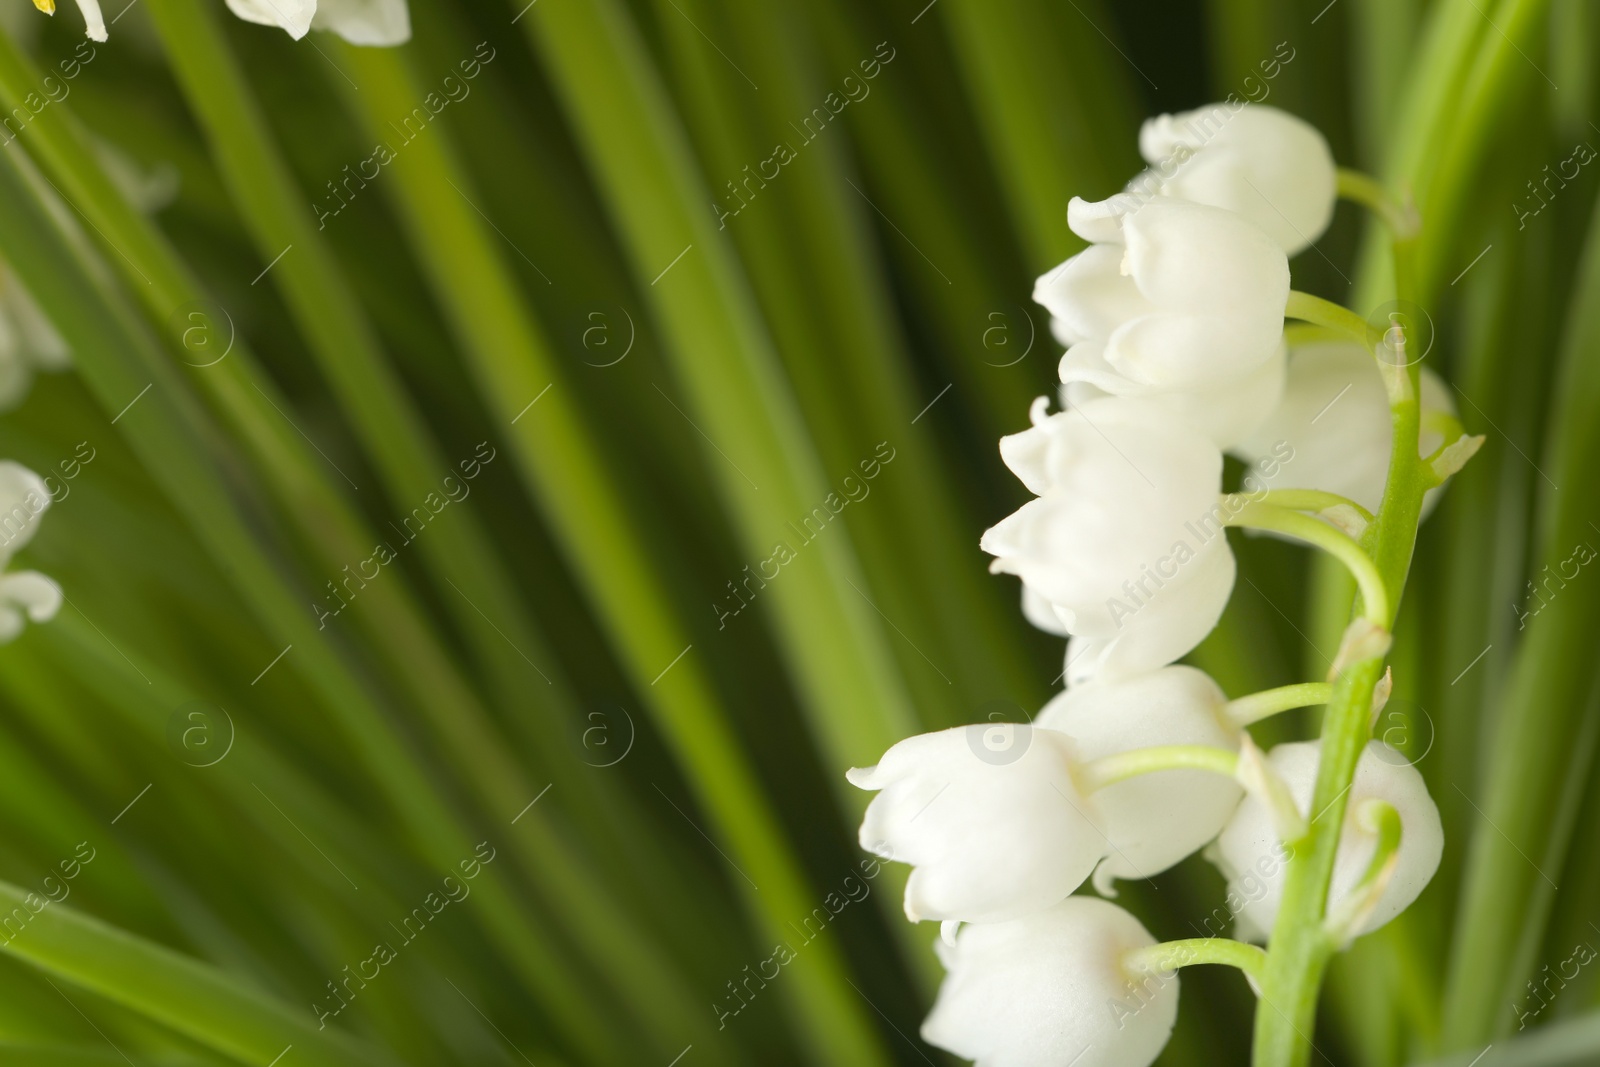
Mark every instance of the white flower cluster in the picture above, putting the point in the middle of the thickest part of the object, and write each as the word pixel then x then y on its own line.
pixel 1173 322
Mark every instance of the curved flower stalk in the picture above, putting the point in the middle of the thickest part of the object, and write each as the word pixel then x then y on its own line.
pixel 1265 164
pixel 368 22
pixel 1248 843
pixel 1172 295
pixel 1112 544
pixel 1056 987
pixel 1335 415
pixel 1153 820
pixel 24 595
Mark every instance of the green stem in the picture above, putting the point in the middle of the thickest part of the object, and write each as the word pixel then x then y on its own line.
pixel 1119 766
pixel 1170 955
pixel 1268 702
pixel 1326 313
pixel 1300 943
pixel 1374 591
pixel 1367 191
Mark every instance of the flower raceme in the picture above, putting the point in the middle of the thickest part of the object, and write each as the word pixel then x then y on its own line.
pixel 1173 322
pixel 365 22
pixel 1116 483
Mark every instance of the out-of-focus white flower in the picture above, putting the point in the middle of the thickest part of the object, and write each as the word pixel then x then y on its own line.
pixel 1112 543
pixel 1173 295
pixel 1248 850
pixel 28 342
pixel 1227 411
pixel 369 22
pixel 1152 820
pixel 1053 989
pixel 1269 166
pixel 1335 415
pixel 988 815
pixel 24 497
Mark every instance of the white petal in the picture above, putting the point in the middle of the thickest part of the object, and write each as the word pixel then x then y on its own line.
pixel 1249 853
pixel 94 22
pixel 23 499
pixel 365 22
pixel 26 594
pixel 1153 820
pixel 1159 625
pixel 989 817
pixel 1088 296
pixel 292 16
pixel 1052 989
pixel 1265 164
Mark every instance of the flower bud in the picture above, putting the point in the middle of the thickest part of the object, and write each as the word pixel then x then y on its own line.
pixel 1152 820
pixel 1174 295
pixel 1250 855
pixel 1269 166
pixel 1053 988
pixel 1335 416
pixel 987 814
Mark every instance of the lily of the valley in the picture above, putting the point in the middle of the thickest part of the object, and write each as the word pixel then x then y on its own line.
pixel 23 594
pixel 1172 295
pixel 989 817
pixel 366 22
pixel 1248 846
pixel 1151 821
pixel 1051 989
pixel 1335 415
pixel 1110 544
pixel 1269 166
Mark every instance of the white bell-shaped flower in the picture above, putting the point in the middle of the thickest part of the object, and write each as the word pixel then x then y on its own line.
pixel 1120 543
pixel 366 22
pixel 1250 855
pixel 988 815
pixel 1335 416
pixel 24 498
pixel 1051 989
pixel 1269 166
pixel 1152 820
pixel 1173 295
